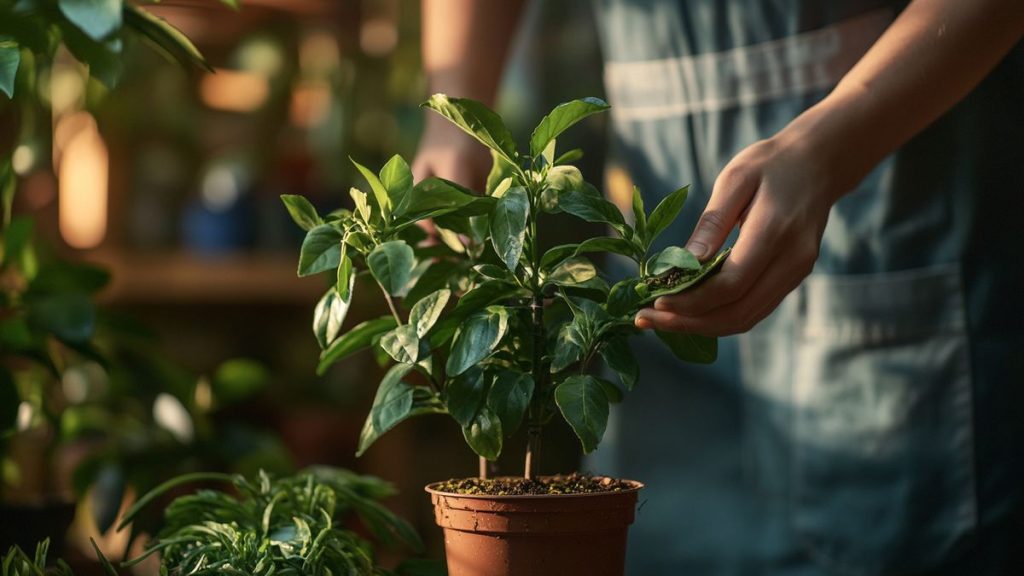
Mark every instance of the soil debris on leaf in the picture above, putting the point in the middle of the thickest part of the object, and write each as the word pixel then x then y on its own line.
pixel 560 484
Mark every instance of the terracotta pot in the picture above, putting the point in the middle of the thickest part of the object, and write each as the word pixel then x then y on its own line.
pixel 549 535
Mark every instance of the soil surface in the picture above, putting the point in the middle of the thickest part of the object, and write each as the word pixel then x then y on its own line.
pixel 671 278
pixel 570 484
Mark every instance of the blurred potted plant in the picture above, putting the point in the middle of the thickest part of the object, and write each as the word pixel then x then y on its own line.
pixel 47 317
pixel 517 346
pixel 299 524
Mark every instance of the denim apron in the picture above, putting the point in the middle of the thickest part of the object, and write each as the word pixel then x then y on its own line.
pixel 873 423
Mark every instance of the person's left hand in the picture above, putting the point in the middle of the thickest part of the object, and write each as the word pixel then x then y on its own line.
pixel 779 192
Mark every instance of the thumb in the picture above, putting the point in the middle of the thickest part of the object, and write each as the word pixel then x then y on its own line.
pixel 729 198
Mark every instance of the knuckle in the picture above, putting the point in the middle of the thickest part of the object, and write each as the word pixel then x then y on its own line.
pixel 713 222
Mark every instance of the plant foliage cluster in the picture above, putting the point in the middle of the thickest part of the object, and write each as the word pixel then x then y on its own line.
pixel 486 326
pixel 298 525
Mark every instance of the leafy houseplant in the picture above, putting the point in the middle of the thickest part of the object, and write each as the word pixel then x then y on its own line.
pixel 296 524
pixel 518 345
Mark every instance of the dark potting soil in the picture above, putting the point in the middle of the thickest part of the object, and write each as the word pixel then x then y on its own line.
pixel 568 484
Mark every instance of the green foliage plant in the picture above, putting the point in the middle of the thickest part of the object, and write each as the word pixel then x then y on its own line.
pixel 485 325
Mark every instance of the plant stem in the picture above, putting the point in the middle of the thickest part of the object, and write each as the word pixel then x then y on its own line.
pixel 483 468
pixel 536 418
pixel 391 304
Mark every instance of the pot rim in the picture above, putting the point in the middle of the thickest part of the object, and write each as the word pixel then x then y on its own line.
pixel 636 486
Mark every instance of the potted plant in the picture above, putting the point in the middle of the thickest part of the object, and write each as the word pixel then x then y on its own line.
pixel 501 335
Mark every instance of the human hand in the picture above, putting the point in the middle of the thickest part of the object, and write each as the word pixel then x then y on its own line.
pixel 779 191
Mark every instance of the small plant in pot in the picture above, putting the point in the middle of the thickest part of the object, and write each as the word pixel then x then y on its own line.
pixel 503 336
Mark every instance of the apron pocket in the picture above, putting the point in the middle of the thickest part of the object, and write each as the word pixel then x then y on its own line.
pixel 883 456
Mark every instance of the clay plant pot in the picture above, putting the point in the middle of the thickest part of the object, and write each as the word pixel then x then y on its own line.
pixel 546 535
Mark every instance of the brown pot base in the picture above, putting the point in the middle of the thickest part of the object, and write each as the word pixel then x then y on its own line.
pixel 549 535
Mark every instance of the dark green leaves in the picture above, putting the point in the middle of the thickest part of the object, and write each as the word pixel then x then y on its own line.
pixel 10 58
pixel 509 398
pixel 476 120
pixel 639 216
pixel 464 395
pixel 435 197
pixel 560 119
pixel 321 250
pixel 691 347
pixel 508 226
pixel 402 344
pixel 619 358
pixel 357 338
pixel 424 313
pixel 665 213
pixel 484 434
pixel 590 207
pixel 302 212
pixel 391 263
pixel 573 271
pixel 392 404
pixel 584 405
pixel 672 257
pixel 380 193
pixel 97 18
pixel 476 339
pixel 68 316
pixel 329 315
pixel 397 180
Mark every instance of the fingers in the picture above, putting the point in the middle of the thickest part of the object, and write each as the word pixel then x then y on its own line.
pixel 781 277
pixel 754 249
pixel 733 191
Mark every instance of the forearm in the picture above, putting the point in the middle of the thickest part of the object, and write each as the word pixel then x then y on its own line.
pixel 931 57
pixel 465 43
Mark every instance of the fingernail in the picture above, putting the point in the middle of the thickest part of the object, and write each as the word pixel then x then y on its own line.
pixel 641 322
pixel 697 249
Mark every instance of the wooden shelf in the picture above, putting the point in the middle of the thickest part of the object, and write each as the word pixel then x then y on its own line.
pixel 180 277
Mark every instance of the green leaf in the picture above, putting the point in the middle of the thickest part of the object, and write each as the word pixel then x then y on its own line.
pixel 438 276
pixel 402 344
pixel 10 58
pixel 424 314
pixel 690 347
pixel 9 402
pixel 391 263
pixel 591 208
pixel 362 207
pixel 584 405
pixel 619 357
pixel 687 279
pixel 380 194
pixel 165 37
pixel 239 378
pixel 623 298
pixel 569 347
pixel 509 398
pixel 476 339
pixel 484 434
pixel 328 316
pixel 464 395
pixel 478 121
pixel 672 257
pixel 435 197
pixel 501 170
pixel 103 58
pixel 97 18
pixel 555 255
pixel 397 180
pixel 560 119
pixel 575 271
pixel 508 226
pixel 321 250
pixel 665 213
pixel 484 294
pixel 392 404
pixel 607 244
pixel 70 317
pixel 359 337
pixel 302 212
pixel 639 216
pixel 59 276
pixel 569 156
pixel 346 277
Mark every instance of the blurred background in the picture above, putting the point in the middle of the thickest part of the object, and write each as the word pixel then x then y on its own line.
pixel 170 182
